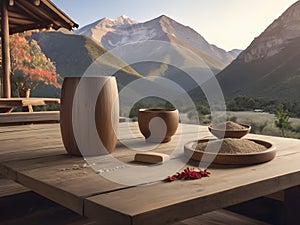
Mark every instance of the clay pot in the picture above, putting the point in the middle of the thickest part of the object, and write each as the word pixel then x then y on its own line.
pixel 158 125
pixel 24 93
pixel 90 121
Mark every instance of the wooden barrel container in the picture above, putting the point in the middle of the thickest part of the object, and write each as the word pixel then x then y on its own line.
pixel 85 110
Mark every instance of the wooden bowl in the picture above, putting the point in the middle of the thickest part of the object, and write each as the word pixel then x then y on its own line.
pixel 158 125
pixel 231 159
pixel 222 133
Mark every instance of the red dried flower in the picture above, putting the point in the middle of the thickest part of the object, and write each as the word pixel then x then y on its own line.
pixel 170 179
pixel 188 174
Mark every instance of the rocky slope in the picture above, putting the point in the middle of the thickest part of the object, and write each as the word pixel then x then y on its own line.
pixel 123 31
pixel 113 33
pixel 269 67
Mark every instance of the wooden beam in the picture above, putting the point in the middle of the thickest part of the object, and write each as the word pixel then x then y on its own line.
pixel 5 49
pixel 19 21
pixel 48 17
pixel 27 11
pixel 19 29
pixel 36 2
pixel 11 2
pixel 61 14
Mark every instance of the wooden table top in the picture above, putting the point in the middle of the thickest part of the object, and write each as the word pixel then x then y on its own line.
pixel 34 156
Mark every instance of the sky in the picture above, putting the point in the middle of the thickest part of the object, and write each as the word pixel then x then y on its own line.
pixel 229 24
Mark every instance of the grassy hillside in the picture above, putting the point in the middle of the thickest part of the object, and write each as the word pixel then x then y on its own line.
pixel 276 77
pixel 73 54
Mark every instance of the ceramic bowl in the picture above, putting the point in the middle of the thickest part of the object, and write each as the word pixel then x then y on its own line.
pixel 223 133
pixel 158 125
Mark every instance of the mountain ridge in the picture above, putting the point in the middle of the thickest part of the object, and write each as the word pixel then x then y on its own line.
pixel 269 67
pixel 73 54
pixel 155 29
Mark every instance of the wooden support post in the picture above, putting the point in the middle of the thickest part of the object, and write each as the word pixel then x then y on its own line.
pixel 5 49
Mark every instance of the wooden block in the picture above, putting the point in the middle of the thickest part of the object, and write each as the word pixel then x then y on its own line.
pixel 151 157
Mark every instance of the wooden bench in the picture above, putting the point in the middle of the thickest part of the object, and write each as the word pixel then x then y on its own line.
pixel 7 105
pixel 17 118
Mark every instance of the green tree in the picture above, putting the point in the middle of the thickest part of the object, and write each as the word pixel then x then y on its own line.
pixel 282 118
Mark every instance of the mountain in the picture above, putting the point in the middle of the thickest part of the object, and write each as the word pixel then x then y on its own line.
pixel 112 33
pixel 73 54
pixel 99 29
pixel 235 52
pixel 123 31
pixel 269 68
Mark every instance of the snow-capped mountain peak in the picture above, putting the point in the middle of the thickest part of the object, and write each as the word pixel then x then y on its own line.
pixel 122 20
pixel 123 30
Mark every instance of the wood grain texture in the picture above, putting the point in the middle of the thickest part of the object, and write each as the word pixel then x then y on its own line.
pixel 220 217
pixel 10 103
pixel 35 157
pixel 29 117
pixel 32 209
pixel 101 111
pixel 9 187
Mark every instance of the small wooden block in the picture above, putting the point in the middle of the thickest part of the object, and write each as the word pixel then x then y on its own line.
pixel 151 157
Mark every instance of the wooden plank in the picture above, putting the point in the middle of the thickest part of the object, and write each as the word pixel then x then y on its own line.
pixel 7 104
pixel 9 187
pixel 30 141
pixel 14 102
pixel 186 199
pixel 29 117
pixel 31 208
pixel 61 178
pixel 40 175
pixel 35 157
pixel 279 196
pixel 176 210
pixel 28 128
pixel 220 217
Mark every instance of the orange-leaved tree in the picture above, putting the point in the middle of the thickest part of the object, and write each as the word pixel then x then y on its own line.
pixel 29 65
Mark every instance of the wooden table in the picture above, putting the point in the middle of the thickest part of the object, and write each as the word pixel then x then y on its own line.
pixel 8 104
pixel 35 157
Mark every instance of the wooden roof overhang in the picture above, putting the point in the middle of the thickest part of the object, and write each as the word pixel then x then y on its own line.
pixel 36 14
pixel 22 15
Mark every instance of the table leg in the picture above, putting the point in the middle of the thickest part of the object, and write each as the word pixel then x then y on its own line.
pixel 30 109
pixel 6 110
pixel 27 108
pixel 291 207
